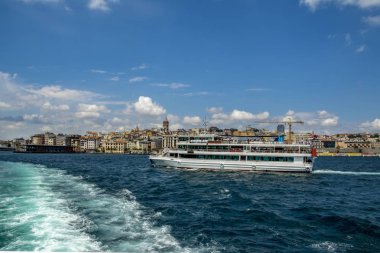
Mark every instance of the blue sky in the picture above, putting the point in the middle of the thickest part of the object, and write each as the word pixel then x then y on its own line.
pixel 70 66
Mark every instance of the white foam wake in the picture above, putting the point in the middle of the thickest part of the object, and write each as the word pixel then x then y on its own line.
pixel 339 172
pixel 34 218
pixel 61 212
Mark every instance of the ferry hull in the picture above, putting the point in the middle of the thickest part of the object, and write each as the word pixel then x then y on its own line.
pixel 161 161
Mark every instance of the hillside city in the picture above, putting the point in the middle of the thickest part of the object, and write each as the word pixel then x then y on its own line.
pixel 149 141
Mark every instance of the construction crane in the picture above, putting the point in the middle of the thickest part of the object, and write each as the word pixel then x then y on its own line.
pixel 290 122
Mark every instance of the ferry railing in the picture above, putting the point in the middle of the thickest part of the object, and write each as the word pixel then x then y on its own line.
pixel 248 151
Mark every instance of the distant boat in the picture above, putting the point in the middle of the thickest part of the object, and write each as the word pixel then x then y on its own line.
pixel 207 151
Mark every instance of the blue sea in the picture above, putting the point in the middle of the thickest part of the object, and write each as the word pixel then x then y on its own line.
pixel 79 202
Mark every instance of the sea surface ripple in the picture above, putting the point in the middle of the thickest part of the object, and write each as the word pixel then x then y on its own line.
pixel 79 202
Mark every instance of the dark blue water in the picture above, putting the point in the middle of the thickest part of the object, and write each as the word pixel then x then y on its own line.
pixel 120 203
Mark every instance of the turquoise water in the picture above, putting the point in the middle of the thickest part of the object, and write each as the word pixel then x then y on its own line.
pixel 120 203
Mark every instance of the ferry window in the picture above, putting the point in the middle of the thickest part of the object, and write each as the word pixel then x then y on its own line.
pixel 290 159
pixel 243 158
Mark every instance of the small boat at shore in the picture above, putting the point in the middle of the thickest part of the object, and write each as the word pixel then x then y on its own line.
pixel 207 151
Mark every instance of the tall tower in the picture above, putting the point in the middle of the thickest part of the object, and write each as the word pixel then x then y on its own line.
pixel 165 125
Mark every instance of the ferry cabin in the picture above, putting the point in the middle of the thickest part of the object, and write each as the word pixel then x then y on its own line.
pixel 276 152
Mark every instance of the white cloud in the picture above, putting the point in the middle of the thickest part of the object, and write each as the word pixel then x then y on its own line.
pixel 56 91
pixel 214 109
pixel 320 118
pixel 192 120
pixel 98 71
pixel 372 20
pixel 145 106
pixel 333 121
pixel 4 105
pixel 46 129
pixel 137 79
pixel 171 85
pixel 361 49
pixel 47 106
pixel 175 126
pixel 201 93
pixel 313 5
pixel 219 117
pixel 115 78
pixel 34 118
pixel 375 124
pixel 243 115
pixel 99 5
pixel 90 110
pixel 140 67
pixel 11 126
pixel 322 113
pixel 173 118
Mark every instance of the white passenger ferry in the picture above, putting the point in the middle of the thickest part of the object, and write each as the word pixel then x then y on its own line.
pixel 208 151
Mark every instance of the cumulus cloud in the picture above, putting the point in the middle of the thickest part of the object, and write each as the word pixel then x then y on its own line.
pixel 137 79
pixel 243 115
pixel 220 117
pixel 372 20
pixel 56 91
pixel 146 106
pixel 333 121
pixel 363 4
pixel 320 118
pixel 90 110
pixel 192 120
pixel 374 125
pixel 214 110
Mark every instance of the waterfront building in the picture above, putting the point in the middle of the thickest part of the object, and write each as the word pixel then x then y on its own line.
pixel 301 137
pixel 38 139
pixel 145 146
pixel 358 144
pixel 75 143
pixel 49 139
pixel 169 141
pixel 89 143
pixel 117 146
pixel 61 140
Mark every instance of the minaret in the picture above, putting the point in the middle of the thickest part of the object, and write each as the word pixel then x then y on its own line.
pixel 165 125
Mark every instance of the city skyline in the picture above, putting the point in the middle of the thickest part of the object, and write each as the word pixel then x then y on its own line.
pixel 108 65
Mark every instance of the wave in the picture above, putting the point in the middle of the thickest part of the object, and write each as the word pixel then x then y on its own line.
pixel 59 212
pixel 339 172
